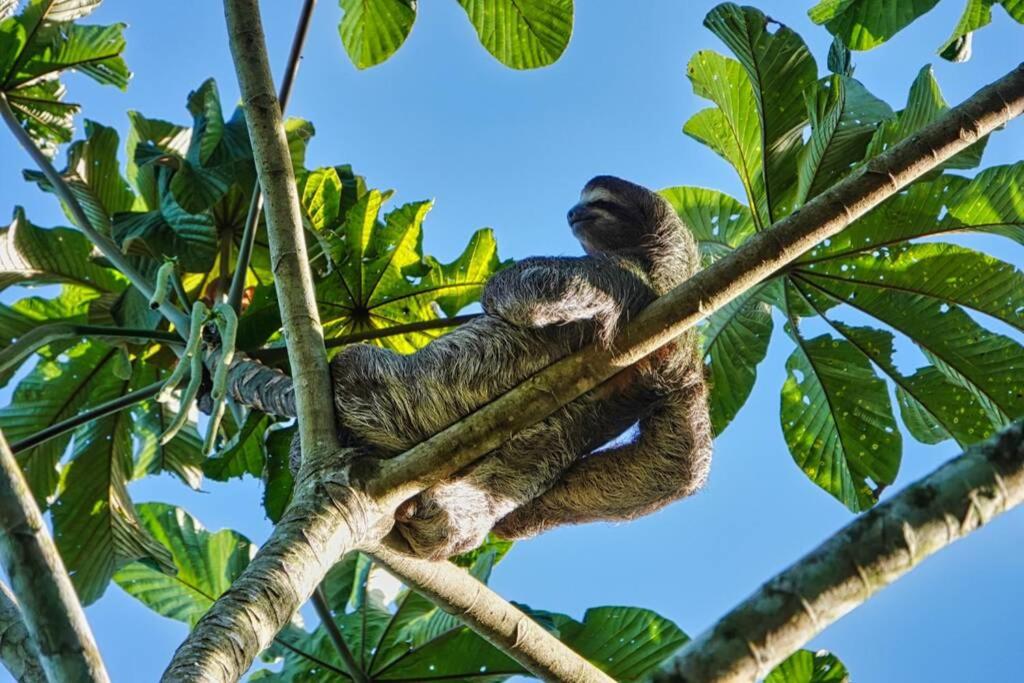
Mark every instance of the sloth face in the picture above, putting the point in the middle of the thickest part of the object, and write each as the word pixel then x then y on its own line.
pixel 615 215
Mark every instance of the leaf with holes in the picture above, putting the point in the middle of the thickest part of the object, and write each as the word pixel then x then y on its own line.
pixel 804 666
pixel 925 104
pixel 837 418
pixel 843 118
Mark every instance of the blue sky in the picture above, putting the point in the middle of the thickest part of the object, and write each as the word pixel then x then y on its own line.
pixel 510 150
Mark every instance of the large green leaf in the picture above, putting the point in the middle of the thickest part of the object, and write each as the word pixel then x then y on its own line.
pixel 864 24
pixel 735 337
pixel 93 174
pixel 735 342
pixel 779 68
pixel 625 642
pixel 837 417
pixel 94 521
pixel 977 14
pixel 717 221
pixel 37 46
pixel 925 104
pixel 522 34
pixel 30 254
pixel 379 276
pixel 55 390
pixel 804 666
pixel 844 116
pixel 206 564
pixel 416 641
pixel 372 30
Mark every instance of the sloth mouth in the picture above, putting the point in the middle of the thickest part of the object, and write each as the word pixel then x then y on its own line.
pixel 581 216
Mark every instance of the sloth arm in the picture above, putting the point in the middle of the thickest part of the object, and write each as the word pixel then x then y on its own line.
pixel 667 460
pixel 544 291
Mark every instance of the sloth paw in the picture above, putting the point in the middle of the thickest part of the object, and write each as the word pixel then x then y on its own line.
pixel 445 520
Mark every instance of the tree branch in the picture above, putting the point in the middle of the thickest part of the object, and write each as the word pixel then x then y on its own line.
pixel 52 613
pixel 456 591
pixel 102 410
pixel 252 218
pixel 868 554
pixel 329 516
pixel 17 650
pixel 290 264
pixel 107 247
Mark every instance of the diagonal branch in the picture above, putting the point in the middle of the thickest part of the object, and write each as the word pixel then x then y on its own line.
pixel 106 246
pixel 506 627
pixel 330 516
pixel 52 613
pixel 868 554
pixel 18 652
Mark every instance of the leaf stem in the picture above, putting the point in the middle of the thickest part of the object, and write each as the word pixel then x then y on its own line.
pixel 102 410
pixel 40 336
pixel 256 204
pixel 106 246
pixel 323 610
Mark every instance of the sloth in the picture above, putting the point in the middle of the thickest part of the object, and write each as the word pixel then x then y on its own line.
pixel 536 312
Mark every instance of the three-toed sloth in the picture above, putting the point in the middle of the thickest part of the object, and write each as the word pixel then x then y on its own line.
pixel 536 312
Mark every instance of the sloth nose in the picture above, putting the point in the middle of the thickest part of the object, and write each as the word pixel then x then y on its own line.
pixel 576 213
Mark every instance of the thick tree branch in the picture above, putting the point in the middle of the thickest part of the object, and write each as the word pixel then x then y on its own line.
pixel 868 554
pixel 18 652
pixel 252 218
pixel 52 613
pixel 329 517
pixel 455 591
pixel 294 281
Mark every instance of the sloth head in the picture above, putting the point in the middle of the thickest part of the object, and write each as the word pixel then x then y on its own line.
pixel 617 216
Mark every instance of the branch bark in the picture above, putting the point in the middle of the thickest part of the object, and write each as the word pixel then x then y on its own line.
pixel 456 591
pixel 868 554
pixel 329 517
pixel 52 613
pixel 17 650
pixel 294 281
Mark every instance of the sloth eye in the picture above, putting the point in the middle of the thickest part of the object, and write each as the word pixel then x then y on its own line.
pixel 616 210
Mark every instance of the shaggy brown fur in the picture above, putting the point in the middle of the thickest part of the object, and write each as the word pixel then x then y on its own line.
pixel 538 311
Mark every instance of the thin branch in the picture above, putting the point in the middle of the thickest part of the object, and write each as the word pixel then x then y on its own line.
pixel 252 218
pixel 456 591
pixel 18 652
pixel 52 613
pixel 107 247
pixel 329 516
pixel 102 410
pixel 323 610
pixel 39 337
pixel 275 354
pixel 868 554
